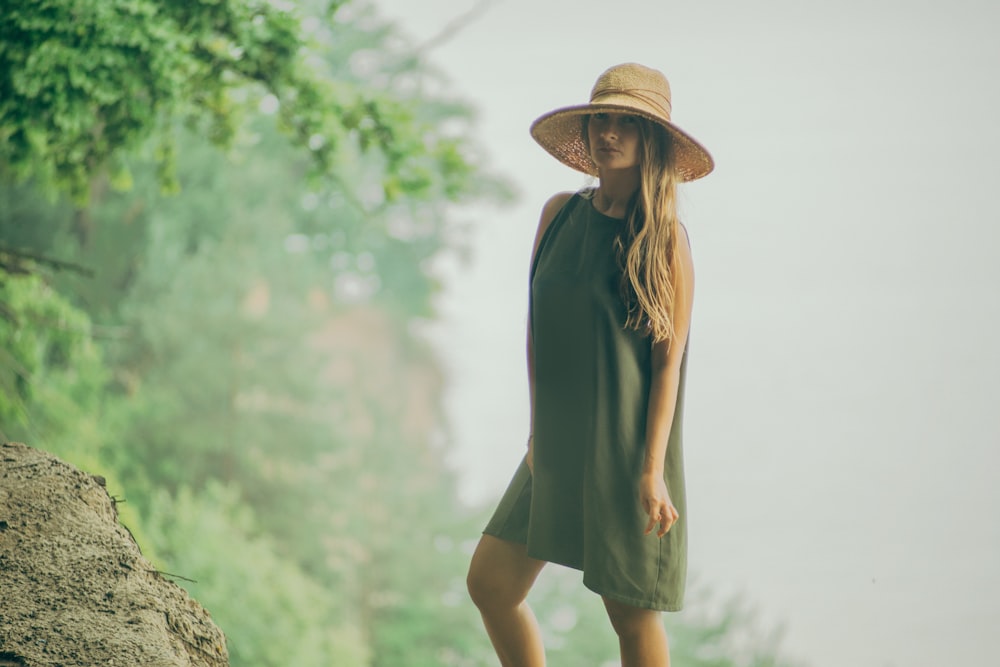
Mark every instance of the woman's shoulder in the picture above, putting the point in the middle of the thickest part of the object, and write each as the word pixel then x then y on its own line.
pixel 554 204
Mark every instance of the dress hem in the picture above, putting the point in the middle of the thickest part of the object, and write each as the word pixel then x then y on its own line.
pixel 641 604
pixel 635 602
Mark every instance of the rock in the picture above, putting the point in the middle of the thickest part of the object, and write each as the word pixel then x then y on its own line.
pixel 74 587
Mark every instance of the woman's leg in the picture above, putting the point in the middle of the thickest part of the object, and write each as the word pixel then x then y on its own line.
pixel 641 636
pixel 500 576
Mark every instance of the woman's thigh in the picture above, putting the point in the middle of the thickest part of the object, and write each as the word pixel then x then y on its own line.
pixel 627 619
pixel 501 572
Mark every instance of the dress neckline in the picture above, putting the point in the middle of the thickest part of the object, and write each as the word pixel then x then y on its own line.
pixel 588 196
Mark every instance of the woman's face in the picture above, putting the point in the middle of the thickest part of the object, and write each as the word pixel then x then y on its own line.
pixel 614 140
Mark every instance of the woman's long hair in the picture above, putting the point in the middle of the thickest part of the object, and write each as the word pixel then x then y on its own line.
pixel 645 244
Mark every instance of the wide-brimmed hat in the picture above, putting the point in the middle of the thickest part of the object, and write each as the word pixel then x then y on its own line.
pixel 632 89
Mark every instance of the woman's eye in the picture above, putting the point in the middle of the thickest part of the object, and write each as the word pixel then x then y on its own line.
pixel 600 116
pixel 628 120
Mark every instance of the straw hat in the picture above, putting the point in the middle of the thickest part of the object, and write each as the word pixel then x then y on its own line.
pixel 628 88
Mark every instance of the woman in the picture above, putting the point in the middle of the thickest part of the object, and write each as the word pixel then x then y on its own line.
pixel 601 488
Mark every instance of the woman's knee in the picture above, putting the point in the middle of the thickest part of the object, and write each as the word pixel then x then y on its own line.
pixel 484 587
pixel 500 574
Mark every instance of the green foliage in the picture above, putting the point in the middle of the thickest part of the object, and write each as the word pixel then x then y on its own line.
pixel 244 356
pixel 83 82
pixel 52 370
pixel 273 613
pixel 85 79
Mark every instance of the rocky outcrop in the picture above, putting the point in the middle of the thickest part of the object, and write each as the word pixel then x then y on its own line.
pixel 74 588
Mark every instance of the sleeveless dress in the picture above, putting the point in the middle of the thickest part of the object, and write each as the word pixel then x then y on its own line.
pixel 592 382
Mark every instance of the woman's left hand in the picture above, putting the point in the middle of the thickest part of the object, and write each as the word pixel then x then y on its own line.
pixel 656 503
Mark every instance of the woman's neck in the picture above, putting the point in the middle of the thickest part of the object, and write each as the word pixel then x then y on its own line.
pixel 614 192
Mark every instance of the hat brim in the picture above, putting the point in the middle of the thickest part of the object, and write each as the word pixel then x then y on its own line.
pixel 560 133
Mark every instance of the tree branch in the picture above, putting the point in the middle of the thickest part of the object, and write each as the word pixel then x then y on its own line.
pixel 456 25
pixel 14 257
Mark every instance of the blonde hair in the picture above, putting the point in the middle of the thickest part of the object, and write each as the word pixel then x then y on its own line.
pixel 645 245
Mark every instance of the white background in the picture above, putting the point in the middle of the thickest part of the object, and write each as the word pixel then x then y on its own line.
pixel 842 424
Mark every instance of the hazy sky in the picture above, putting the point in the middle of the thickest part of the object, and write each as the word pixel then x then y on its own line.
pixel 842 422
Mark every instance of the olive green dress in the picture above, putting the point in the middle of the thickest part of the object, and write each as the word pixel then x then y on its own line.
pixel 592 381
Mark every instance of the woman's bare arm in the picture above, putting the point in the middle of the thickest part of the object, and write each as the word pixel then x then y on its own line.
pixel 666 369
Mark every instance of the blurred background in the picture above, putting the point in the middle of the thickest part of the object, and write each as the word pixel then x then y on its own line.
pixel 264 266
